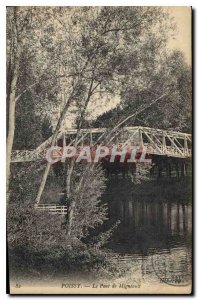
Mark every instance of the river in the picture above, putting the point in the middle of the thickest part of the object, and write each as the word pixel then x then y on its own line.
pixel 154 235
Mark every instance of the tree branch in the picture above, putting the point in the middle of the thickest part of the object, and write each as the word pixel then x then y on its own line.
pixel 139 111
pixel 129 117
pixel 24 91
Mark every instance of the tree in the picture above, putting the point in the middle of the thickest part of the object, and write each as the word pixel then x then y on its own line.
pixel 32 65
pixel 95 51
pixel 105 41
pixel 173 78
pixel 13 73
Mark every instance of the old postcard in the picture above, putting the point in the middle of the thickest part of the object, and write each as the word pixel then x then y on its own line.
pixel 99 150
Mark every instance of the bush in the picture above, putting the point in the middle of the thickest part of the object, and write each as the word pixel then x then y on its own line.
pixel 38 245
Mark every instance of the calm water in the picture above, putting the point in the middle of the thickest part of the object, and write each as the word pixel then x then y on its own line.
pixel 154 231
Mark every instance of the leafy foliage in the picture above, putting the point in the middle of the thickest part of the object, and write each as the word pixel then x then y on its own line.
pixel 173 78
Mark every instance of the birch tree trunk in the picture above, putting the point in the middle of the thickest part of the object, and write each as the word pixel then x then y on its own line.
pixel 13 74
pixel 72 202
pixel 11 124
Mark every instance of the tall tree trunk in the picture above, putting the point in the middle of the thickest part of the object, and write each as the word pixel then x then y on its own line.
pixel 72 202
pixel 13 72
pixel 71 210
pixel 11 125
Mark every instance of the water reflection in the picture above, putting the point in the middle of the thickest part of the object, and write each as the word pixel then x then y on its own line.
pixel 149 223
pixel 164 218
pixel 154 232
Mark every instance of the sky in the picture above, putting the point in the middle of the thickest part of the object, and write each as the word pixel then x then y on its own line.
pixel 182 41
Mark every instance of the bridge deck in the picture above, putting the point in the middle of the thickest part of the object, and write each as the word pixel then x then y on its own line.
pixel 157 141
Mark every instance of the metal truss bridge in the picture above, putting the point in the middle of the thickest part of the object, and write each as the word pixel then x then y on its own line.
pixel 157 141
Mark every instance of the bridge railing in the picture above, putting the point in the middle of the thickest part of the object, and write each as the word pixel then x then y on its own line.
pixel 28 155
pixel 167 150
pixel 52 208
pixel 157 138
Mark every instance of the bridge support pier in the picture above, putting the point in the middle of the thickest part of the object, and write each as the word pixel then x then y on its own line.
pixel 183 169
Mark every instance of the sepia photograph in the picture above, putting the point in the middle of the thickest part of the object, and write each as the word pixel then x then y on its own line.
pixel 99 150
